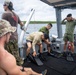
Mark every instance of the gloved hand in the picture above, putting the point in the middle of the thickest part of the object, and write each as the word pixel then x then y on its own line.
pixel 22 27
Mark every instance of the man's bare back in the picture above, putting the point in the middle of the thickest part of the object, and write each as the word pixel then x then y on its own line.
pixel 4 63
pixel 6 59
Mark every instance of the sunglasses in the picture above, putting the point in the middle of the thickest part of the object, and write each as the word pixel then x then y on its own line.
pixel 4 5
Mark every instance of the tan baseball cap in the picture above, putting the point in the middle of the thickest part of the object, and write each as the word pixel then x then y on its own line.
pixel 9 4
pixel 6 27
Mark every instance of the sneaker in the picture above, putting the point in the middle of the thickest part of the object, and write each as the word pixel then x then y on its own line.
pixel 44 72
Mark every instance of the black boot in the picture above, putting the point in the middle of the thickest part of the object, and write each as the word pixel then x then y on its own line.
pixel 64 54
pixel 41 56
pixel 50 54
pixel 27 59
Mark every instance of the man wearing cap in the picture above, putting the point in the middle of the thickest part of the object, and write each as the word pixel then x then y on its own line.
pixel 7 61
pixel 14 20
pixel 69 36
pixel 45 30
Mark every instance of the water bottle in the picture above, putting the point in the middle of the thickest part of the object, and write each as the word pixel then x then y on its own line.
pixel 69 45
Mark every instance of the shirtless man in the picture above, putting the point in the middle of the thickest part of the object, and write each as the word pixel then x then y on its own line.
pixel 7 61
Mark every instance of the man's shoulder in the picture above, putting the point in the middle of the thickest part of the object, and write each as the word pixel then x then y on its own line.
pixel 6 55
pixel 9 13
pixel 6 13
pixel 43 28
pixel 36 33
pixel 39 33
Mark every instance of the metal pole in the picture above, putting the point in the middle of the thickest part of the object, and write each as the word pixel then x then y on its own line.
pixel 22 52
pixel 58 18
pixel 25 27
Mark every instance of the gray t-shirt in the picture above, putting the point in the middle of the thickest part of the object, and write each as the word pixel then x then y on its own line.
pixel 14 20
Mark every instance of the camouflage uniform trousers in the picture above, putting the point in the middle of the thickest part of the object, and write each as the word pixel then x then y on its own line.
pixel 12 47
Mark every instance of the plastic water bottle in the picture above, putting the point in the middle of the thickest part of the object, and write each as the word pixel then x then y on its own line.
pixel 69 45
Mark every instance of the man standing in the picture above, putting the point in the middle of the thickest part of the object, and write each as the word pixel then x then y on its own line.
pixel 14 20
pixel 69 36
pixel 45 30
pixel 7 61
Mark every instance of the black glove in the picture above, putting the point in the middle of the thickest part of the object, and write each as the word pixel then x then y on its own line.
pixel 23 28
